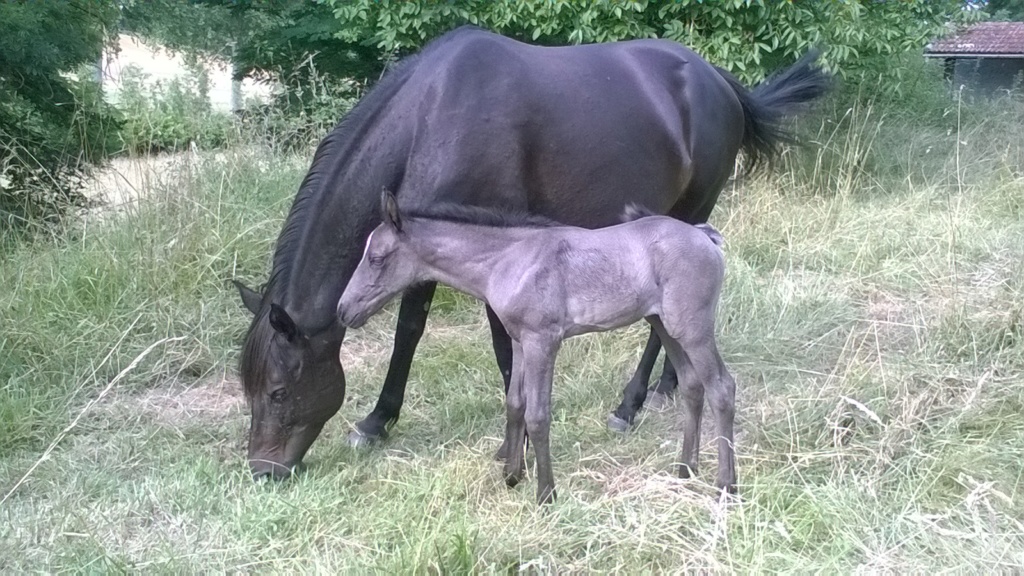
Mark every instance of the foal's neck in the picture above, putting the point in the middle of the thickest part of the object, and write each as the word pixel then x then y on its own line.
pixel 466 256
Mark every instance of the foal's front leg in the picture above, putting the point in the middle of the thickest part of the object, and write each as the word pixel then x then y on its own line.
pixel 513 447
pixel 539 359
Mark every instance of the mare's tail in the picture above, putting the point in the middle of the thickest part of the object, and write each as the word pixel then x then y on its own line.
pixel 765 107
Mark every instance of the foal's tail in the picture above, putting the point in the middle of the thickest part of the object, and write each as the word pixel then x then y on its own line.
pixel 634 211
pixel 771 101
pixel 713 234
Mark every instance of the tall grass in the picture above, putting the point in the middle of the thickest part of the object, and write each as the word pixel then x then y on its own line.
pixel 872 314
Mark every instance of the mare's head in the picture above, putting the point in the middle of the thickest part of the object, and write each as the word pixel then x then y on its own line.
pixel 388 267
pixel 294 383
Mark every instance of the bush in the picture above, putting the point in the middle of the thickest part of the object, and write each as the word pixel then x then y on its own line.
pixel 51 123
pixel 170 116
pixel 304 109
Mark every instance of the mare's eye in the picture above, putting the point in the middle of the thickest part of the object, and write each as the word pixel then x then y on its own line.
pixel 377 261
pixel 278 396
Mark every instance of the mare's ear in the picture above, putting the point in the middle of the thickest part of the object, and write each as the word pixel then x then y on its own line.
pixel 250 298
pixel 389 210
pixel 283 323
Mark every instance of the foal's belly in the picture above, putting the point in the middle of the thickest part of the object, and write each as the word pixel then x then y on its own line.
pixel 601 314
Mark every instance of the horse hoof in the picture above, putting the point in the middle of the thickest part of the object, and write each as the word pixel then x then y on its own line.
pixel 658 401
pixel 357 439
pixel 616 424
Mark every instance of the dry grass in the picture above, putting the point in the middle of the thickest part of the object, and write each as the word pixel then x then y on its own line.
pixel 874 326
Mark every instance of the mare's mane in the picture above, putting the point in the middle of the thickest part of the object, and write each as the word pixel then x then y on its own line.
pixel 335 148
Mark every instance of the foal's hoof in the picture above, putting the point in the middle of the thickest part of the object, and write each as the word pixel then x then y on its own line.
pixel 616 424
pixel 360 440
pixel 658 401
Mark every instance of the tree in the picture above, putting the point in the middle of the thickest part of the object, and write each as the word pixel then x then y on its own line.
pixel 355 38
pixel 1012 10
pixel 750 37
pixel 48 123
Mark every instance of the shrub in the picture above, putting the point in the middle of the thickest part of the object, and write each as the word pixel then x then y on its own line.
pixel 171 115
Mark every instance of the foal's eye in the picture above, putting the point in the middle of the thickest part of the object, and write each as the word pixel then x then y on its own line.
pixel 377 261
pixel 278 396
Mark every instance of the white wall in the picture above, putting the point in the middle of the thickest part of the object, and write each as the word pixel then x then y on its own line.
pixel 163 66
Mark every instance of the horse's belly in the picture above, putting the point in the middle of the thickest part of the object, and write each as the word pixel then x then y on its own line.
pixel 602 314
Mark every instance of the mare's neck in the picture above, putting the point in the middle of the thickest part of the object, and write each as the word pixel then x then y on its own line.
pixel 465 256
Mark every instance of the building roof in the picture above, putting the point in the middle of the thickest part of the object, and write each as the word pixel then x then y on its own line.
pixel 996 39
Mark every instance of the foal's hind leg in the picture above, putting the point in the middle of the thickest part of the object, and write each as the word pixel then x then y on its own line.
pixel 696 347
pixel 721 392
pixel 692 393
pixel 412 319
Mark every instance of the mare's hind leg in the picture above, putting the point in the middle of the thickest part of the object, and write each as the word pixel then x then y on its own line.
pixel 412 319
pixel 662 392
pixel 635 393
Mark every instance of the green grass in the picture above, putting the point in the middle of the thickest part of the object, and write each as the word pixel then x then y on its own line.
pixel 873 315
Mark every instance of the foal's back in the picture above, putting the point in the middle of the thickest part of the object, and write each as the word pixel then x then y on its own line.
pixel 595 280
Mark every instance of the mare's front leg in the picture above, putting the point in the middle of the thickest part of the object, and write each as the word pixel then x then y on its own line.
pixel 412 319
pixel 503 354
pixel 539 371
pixel 502 344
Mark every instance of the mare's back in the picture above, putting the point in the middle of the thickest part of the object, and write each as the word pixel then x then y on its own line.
pixel 565 131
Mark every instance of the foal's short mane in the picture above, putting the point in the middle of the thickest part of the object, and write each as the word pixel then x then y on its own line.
pixel 482 216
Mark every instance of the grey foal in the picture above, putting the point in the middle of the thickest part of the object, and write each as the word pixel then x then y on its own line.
pixel 547 282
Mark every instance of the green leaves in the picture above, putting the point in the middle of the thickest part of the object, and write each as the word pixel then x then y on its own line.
pixel 749 37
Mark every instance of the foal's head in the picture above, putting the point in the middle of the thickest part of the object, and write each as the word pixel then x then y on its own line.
pixel 388 267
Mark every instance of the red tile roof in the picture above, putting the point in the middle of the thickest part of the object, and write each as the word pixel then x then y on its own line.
pixel 983 38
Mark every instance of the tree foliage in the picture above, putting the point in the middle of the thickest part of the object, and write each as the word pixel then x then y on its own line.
pixel 750 37
pixel 1012 10
pixel 354 38
pixel 263 38
pixel 47 121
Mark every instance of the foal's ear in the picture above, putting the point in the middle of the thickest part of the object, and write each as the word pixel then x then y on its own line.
pixel 389 210
pixel 250 298
pixel 283 323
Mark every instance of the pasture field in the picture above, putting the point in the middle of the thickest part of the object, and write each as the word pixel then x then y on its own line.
pixel 873 316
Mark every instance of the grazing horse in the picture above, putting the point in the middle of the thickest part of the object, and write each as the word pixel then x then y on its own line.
pixel 571 133
pixel 547 283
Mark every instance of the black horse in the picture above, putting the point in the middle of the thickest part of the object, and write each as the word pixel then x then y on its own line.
pixel 570 133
